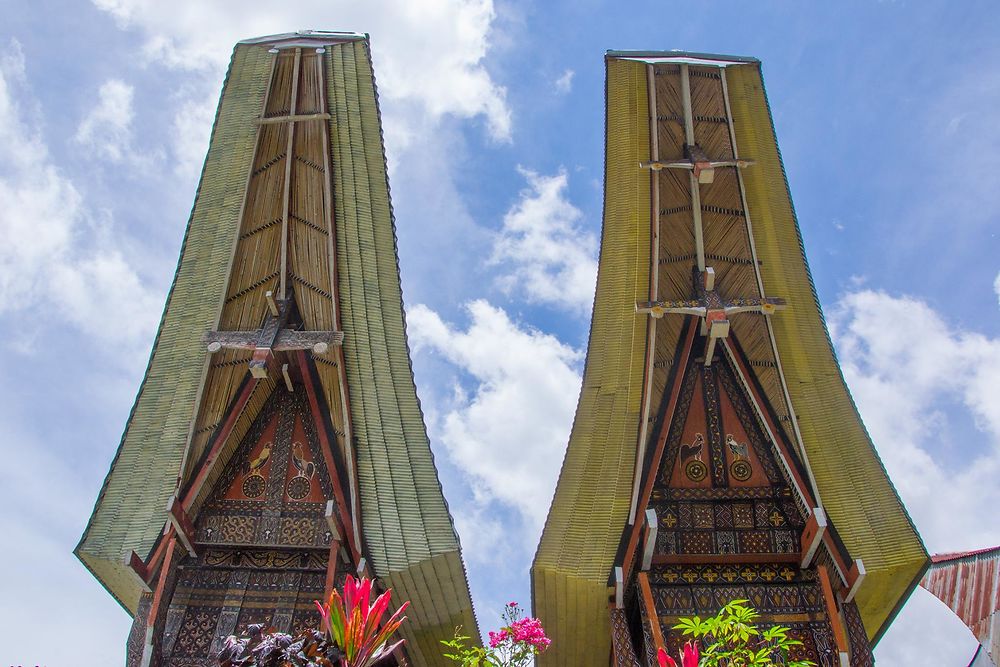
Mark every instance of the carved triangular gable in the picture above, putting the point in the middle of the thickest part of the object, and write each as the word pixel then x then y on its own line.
pixel 273 491
pixel 263 540
pixel 720 488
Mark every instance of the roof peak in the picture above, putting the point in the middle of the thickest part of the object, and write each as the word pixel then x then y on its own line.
pixel 307 38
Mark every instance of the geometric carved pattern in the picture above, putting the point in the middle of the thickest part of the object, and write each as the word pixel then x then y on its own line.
pixel 861 653
pixel 621 642
pixel 740 513
pixel 262 557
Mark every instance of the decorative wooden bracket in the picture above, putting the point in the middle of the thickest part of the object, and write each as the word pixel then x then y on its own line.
pixel 270 338
pixel 812 535
pixel 136 567
pixel 181 523
pixel 855 576
pixel 696 161
pixel 713 310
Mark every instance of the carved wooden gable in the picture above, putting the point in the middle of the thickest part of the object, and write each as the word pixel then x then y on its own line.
pixel 262 538
pixel 729 520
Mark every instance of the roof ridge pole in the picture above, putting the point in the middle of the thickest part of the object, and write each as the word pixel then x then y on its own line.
pixel 760 286
pixel 286 195
pixel 699 238
pixel 654 264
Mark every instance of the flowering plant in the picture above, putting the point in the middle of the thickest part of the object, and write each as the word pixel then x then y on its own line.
pixel 688 655
pixel 519 640
pixel 349 635
pixel 353 623
pixel 731 639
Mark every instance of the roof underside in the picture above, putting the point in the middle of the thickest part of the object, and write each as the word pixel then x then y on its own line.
pixel 229 260
pixel 593 497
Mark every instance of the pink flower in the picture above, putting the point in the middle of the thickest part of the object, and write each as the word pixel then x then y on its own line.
pixel 530 631
pixel 511 604
pixel 497 638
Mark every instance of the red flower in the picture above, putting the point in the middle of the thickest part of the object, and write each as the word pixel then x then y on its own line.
pixel 664 659
pixel 690 656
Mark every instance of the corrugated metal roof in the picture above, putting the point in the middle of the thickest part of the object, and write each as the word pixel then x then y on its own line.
pixel 969 583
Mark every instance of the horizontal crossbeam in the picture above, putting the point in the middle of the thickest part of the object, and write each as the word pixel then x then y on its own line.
pixel 286 340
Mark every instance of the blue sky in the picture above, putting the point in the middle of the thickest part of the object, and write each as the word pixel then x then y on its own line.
pixel 886 114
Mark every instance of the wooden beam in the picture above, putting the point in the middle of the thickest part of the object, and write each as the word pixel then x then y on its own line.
pixel 218 440
pixel 699 237
pixel 805 490
pixel 855 577
pixel 286 340
pixel 326 446
pixel 651 615
pixel 137 570
pixel 272 305
pixel 833 614
pixel 649 541
pixel 723 559
pixel 760 287
pixel 161 583
pixel 297 118
pixel 619 588
pixel 331 240
pixel 812 535
pixel 181 524
pixel 650 473
pixel 288 378
pixel 262 363
pixel 654 273
pixel 286 193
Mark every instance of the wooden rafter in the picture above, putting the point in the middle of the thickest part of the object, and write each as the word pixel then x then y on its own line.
pixel 650 468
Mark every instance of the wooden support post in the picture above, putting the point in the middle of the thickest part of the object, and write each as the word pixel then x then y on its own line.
pixel 161 584
pixel 288 378
pixel 651 615
pixel 833 614
pixel 812 535
pixel 649 545
pixel 335 538
pixel 619 588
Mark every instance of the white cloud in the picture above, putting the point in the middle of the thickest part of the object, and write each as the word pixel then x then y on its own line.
pixel 541 249
pixel 927 393
pixel 57 257
pixel 191 129
pixel 564 83
pixel 107 128
pixel 509 431
pixel 429 54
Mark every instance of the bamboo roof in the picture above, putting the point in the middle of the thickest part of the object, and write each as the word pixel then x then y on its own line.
pixel 339 263
pixel 752 240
